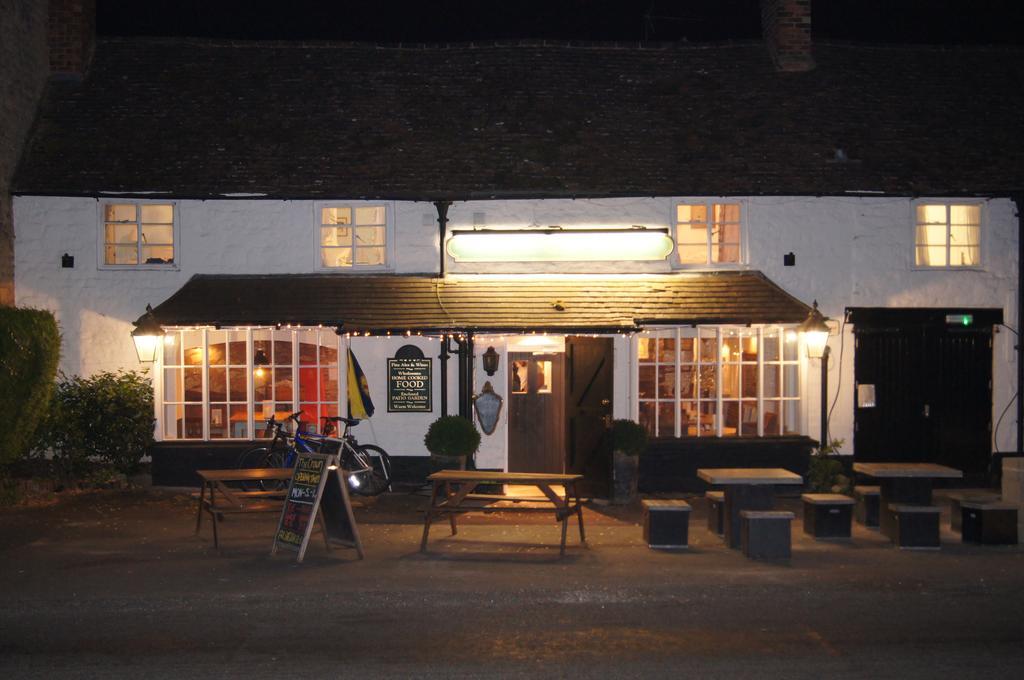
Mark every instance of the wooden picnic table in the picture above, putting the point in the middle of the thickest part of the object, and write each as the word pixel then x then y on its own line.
pixel 903 484
pixel 219 499
pixel 453 493
pixel 746 489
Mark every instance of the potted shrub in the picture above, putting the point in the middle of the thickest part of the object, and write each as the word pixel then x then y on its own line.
pixel 629 440
pixel 450 440
pixel 826 473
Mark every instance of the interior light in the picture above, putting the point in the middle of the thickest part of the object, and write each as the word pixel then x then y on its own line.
pixel 559 245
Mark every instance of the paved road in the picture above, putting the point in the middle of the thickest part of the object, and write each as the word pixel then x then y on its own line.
pixel 127 590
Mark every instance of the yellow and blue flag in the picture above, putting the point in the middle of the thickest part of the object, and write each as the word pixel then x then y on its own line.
pixel 359 403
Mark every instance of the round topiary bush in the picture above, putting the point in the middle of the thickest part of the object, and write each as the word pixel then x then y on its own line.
pixel 452 436
pixel 629 437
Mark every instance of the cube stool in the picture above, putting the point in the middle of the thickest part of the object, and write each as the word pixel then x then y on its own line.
pixel 765 534
pixel 991 522
pixel 827 515
pixel 917 526
pixel 666 523
pixel 716 512
pixel 867 498
pixel 957 498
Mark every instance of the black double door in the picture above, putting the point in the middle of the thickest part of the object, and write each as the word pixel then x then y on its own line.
pixel 932 395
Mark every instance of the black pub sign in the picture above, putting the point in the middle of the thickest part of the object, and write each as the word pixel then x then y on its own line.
pixel 409 388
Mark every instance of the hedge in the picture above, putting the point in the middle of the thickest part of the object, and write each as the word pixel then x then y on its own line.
pixel 29 354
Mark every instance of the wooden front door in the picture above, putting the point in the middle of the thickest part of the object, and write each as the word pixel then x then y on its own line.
pixel 536 420
pixel 588 410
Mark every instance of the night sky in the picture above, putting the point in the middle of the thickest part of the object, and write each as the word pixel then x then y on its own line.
pixel 896 21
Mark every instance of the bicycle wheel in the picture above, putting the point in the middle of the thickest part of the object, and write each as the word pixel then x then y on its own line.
pixel 254 458
pixel 372 470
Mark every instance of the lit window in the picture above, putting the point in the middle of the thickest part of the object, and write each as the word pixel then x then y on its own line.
pixel 353 236
pixel 208 374
pixel 719 381
pixel 708 233
pixel 947 235
pixel 137 234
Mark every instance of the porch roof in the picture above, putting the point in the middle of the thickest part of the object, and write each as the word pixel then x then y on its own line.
pixel 388 303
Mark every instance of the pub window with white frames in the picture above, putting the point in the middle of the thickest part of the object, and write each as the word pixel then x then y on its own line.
pixel 352 236
pixel 225 384
pixel 708 233
pixel 138 234
pixel 719 381
pixel 947 235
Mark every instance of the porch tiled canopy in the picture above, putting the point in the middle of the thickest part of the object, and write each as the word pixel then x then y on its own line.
pixel 388 303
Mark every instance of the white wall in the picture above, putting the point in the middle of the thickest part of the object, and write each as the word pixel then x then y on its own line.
pixel 850 251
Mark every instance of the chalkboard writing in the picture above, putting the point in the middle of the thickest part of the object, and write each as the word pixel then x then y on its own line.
pixel 409 385
pixel 317 486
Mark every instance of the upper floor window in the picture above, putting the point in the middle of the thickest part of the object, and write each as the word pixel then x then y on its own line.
pixel 708 233
pixel 353 236
pixel 947 235
pixel 138 234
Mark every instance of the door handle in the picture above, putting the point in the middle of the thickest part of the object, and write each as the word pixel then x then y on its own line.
pixel 927 411
pixel 606 402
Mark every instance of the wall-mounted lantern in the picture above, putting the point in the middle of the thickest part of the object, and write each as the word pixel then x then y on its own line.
pixel 815 332
pixel 147 336
pixel 490 358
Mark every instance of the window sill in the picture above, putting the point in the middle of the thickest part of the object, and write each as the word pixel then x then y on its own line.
pixel 139 267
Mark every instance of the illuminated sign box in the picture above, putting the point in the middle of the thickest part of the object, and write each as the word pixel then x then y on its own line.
pixel 559 245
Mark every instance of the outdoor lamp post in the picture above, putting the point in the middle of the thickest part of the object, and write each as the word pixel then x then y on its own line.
pixel 815 332
pixel 147 336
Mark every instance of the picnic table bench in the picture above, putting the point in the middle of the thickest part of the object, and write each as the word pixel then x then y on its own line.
pixel 453 493
pixel 217 498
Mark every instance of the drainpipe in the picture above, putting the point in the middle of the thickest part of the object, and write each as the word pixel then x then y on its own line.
pixel 1019 200
pixel 442 226
pixel 444 374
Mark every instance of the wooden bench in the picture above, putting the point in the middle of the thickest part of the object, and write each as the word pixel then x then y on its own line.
pixel 992 522
pixel 716 511
pixel 218 499
pixel 958 497
pixel 867 499
pixel 916 526
pixel 666 523
pixel 765 534
pixel 452 494
pixel 827 515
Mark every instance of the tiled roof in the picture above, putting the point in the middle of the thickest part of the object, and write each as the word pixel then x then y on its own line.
pixel 382 303
pixel 196 118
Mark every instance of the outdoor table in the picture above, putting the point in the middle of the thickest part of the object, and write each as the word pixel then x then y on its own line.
pixel 453 489
pixel 903 484
pixel 746 489
pixel 218 499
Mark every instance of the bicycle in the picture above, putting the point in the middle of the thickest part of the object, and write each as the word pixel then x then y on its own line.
pixel 369 466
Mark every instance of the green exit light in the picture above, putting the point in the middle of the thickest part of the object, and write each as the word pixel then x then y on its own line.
pixel 960 319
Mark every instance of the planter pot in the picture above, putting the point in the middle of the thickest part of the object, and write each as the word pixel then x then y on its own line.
pixel 447 462
pixel 624 478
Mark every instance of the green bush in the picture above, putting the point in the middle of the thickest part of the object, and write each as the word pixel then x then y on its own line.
pixel 826 474
pixel 106 417
pixel 629 437
pixel 29 353
pixel 452 436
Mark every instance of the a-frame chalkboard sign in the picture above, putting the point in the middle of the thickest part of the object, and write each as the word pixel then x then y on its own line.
pixel 317 486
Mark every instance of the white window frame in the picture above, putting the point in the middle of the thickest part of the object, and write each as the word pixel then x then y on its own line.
pixel 101 235
pixel 389 235
pixel 720 332
pixel 708 203
pixel 252 423
pixel 947 202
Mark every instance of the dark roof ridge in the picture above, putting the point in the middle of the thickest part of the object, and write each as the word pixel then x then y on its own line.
pixel 423 46
pixel 916 47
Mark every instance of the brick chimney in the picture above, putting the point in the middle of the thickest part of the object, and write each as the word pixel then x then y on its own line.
pixel 72 35
pixel 786 25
